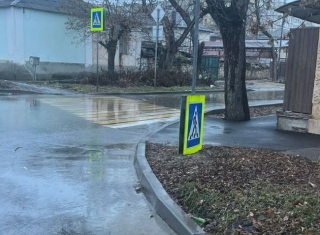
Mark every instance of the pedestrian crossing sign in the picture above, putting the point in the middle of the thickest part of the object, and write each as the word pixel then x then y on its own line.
pixel 97 20
pixel 194 121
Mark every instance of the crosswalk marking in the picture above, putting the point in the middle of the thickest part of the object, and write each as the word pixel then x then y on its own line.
pixel 111 111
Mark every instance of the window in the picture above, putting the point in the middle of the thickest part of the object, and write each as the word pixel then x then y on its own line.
pixel 123 46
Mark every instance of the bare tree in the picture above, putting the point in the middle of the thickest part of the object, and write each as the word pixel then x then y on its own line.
pixel 174 40
pixel 122 18
pixel 260 21
pixel 230 16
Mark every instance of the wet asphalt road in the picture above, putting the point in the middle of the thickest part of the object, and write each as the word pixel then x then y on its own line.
pixel 67 162
pixel 64 174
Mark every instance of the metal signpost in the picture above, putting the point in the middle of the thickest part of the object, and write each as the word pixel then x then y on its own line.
pixel 157 15
pixel 195 46
pixel 192 106
pixel 97 25
pixel 34 61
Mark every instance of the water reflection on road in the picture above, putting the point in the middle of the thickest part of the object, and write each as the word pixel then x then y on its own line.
pixel 113 112
pixel 124 111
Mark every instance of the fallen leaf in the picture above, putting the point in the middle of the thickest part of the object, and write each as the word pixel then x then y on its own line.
pixel 312 185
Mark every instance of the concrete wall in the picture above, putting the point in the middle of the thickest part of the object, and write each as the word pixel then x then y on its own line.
pixel 28 32
pixel 4 53
pixel 45 36
pixel 14 35
pixel 187 44
pixel 251 74
pixel 131 60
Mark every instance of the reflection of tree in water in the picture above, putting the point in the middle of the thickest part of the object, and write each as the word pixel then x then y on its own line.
pixel 34 103
pixel 96 169
pixel 110 107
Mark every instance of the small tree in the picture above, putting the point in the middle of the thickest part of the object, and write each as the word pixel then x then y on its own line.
pixel 230 16
pixel 122 18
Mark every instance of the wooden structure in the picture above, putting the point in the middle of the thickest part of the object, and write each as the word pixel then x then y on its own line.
pixel 301 111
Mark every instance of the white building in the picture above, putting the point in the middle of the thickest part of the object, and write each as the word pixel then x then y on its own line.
pixel 37 28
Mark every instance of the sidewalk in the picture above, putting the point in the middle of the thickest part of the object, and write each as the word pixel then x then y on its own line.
pixel 257 133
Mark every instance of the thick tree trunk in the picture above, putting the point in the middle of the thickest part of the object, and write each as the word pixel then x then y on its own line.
pixel 236 101
pixel 166 60
pixel 112 48
pixel 167 56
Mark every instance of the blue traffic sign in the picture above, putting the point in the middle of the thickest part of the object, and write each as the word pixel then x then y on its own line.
pixel 97 19
pixel 192 125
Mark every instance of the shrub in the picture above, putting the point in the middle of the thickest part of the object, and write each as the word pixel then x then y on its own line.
pixel 127 78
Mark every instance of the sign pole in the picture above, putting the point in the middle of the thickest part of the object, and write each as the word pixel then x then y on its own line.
pixel 97 82
pixel 97 25
pixel 195 47
pixel 156 52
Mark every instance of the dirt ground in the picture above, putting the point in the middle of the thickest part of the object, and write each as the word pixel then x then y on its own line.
pixel 242 191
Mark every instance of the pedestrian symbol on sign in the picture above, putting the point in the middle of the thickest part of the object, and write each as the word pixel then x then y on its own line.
pixel 194 132
pixel 96 21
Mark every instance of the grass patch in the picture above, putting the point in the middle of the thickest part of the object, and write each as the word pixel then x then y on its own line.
pixel 87 88
pixel 265 208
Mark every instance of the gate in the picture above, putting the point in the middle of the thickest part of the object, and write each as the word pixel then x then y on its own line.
pixel 210 67
pixel 300 71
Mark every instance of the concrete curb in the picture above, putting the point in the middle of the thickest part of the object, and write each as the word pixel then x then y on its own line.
pixel 153 93
pixel 157 92
pixel 216 111
pixel 163 205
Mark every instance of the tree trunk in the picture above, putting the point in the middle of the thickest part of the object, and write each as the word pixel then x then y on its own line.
pixel 274 62
pixel 166 60
pixel 168 54
pixel 112 48
pixel 236 101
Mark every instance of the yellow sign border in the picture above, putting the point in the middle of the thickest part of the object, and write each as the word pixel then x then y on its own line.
pixel 101 28
pixel 192 99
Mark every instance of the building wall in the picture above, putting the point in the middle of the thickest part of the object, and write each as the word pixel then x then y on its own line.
pixel 3 40
pixel 130 60
pixel 187 44
pixel 28 32
pixel 45 36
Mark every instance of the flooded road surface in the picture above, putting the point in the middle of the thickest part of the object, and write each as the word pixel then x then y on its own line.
pixel 213 99
pixel 125 111
pixel 62 174
pixel 115 112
